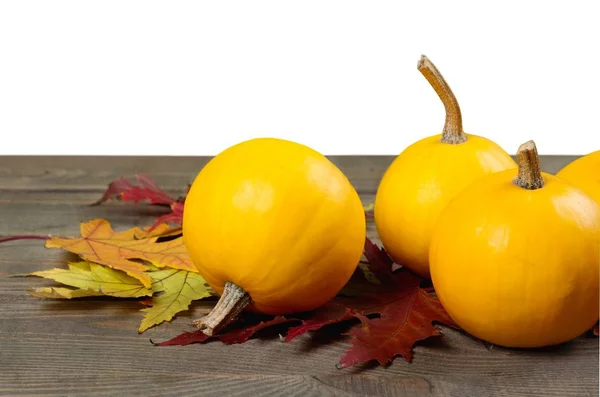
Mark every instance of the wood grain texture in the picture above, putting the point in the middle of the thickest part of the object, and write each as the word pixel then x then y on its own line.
pixel 78 174
pixel 91 347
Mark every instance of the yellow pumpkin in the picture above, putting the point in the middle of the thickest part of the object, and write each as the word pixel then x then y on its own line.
pixel 423 179
pixel 584 172
pixel 274 227
pixel 515 257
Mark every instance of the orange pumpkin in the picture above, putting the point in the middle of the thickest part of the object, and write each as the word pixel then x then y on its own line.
pixel 426 176
pixel 515 257
pixel 584 173
pixel 274 227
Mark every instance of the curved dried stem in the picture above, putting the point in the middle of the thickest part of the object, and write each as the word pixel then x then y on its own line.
pixel 453 129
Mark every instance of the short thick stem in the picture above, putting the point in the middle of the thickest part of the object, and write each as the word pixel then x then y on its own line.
pixel 453 129
pixel 530 172
pixel 233 300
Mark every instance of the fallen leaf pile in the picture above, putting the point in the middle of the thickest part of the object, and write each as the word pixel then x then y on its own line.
pixel 393 313
pixel 384 309
pixel 128 264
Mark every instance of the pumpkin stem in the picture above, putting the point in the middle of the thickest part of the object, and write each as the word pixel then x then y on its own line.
pixel 233 300
pixel 453 129
pixel 530 171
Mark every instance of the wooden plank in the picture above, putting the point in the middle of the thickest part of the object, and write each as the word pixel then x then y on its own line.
pixel 171 173
pixel 98 336
pixel 143 384
pixel 91 346
pixel 60 212
pixel 86 337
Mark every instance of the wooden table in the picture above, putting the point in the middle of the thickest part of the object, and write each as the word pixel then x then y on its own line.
pixel 91 347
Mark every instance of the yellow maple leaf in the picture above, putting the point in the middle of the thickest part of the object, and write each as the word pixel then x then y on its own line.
pixel 62 293
pixel 172 290
pixel 179 288
pixel 99 243
pixel 97 278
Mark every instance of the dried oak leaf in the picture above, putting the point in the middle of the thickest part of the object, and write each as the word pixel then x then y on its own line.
pixel 91 279
pixel 174 291
pixel 406 313
pixel 370 289
pixel 99 243
pixel 402 323
pixel 395 313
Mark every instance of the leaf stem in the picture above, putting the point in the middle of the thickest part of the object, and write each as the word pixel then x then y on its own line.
pixel 453 129
pixel 530 171
pixel 23 237
pixel 233 300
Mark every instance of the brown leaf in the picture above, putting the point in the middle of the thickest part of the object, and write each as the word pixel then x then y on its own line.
pixel 99 243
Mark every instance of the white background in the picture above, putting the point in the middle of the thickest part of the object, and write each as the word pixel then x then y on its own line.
pixel 193 77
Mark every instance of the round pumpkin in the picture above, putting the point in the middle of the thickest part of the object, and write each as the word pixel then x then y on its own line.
pixel 426 176
pixel 274 227
pixel 515 257
pixel 584 172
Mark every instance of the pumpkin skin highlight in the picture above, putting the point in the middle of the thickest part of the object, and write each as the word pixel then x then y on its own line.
pixel 277 219
pixel 518 267
pixel 584 173
pixel 417 186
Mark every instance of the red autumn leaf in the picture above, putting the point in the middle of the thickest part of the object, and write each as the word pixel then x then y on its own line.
pixel 394 314
pixel 243 334
pixel 402 323
pixel 379 261
pixel 173 217
pixel 146 189
pixel 406 313
pixel 185 338
pixel 237 335
pixel 331 313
